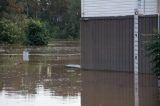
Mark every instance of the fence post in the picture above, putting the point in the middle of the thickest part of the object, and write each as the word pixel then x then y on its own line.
pixel 136 82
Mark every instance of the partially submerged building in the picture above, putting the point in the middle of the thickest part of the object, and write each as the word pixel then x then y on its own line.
pixel 107 33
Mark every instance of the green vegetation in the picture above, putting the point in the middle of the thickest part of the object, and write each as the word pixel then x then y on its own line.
pixel 34 22
pixel 73 25
pixel 153 47
pixel 9 32
pixel 36 33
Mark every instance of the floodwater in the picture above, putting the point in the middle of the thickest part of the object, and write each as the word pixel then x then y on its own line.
pixel 43 80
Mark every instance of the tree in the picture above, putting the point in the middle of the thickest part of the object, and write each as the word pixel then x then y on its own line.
pixel 58 7
pixel 3 5
pixel 12 9
pixel 9 32
pixel 73 24
pixel 36 33
pixel 62 16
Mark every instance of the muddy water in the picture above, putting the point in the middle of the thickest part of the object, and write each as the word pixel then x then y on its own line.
pixel 102 88
pixel 44 81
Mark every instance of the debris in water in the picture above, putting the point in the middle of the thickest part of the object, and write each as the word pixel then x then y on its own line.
pixel 73 66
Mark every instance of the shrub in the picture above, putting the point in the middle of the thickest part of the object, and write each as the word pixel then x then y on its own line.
pixel 153 48
pixel 9 32
pixel 36 33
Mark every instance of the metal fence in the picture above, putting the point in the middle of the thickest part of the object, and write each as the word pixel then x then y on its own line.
pixel 107 43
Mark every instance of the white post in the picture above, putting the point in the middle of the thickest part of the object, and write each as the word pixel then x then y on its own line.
pixel 136 87
pixel 25 55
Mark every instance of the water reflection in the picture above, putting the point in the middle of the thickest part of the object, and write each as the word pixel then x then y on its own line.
pixel 101 88
pixel 41 81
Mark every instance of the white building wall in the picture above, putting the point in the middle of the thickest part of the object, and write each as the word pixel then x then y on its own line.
pixel 103 8
pixel 149 7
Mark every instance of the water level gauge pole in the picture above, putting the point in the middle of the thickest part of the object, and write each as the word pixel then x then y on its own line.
pixel 136 87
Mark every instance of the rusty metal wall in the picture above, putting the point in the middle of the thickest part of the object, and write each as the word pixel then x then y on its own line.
pixel 107 43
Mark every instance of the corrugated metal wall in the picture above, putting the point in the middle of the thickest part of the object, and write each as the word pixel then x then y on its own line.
pixel 107 43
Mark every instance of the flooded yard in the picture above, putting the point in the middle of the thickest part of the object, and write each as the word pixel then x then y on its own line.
pixel 45 81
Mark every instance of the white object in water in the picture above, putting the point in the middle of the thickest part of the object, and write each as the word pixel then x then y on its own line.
pixel 25 55
pixel 73 66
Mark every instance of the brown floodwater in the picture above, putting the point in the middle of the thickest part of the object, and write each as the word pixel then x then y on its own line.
pixel 45 81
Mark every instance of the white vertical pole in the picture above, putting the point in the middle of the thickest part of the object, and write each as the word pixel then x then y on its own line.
pixel 136 49
pixel 158 23
pixel 136 87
